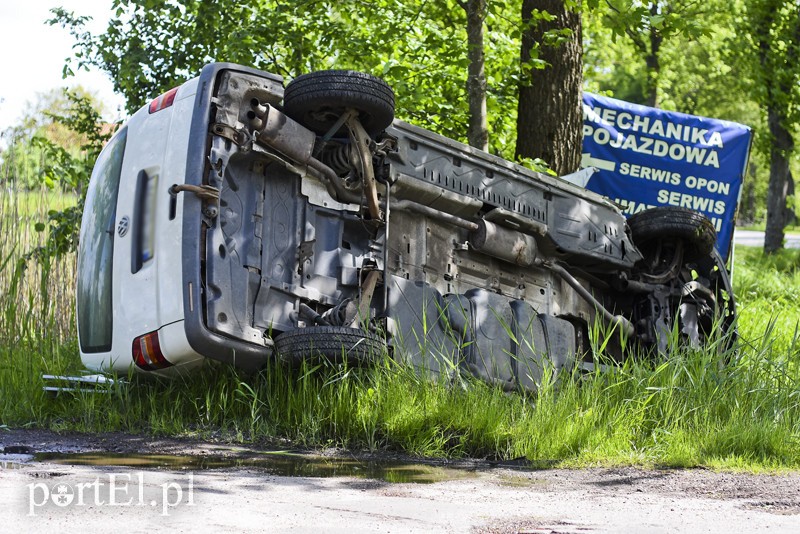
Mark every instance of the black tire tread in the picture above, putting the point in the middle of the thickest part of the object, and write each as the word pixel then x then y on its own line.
pixel 371 96
pixel 349 80
pixel 333 343
pixel 672 221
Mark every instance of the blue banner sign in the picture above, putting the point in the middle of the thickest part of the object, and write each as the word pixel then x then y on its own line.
pixel 647 157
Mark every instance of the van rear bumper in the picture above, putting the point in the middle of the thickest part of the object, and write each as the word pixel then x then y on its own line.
pixel 201 340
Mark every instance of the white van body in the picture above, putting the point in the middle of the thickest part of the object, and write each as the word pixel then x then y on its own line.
pixel 221 221
pixel 149 300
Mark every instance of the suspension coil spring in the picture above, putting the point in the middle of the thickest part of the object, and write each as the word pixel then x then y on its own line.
pixel 338 158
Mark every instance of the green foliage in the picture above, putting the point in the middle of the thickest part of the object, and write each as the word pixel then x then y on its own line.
pixel 418 48
pixel 23 162
pixel 69 169
pixel 767 44
pixel 55 145
pixel 648 28
pixel 713 73
pixel 768 288
pixel 38 300
pixel 662 19
pixel 611 66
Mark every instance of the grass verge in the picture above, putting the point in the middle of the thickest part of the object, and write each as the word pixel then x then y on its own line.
pixel 684 411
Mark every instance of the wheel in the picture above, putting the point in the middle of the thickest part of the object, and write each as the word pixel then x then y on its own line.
pixel 678 251
pixel 336 344
pixel 317 99
pixel 712 273
pixel 670 222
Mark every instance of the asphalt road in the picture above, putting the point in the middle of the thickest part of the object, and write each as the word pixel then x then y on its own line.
pixel 751 238
pixel 623 500
pixel 40 496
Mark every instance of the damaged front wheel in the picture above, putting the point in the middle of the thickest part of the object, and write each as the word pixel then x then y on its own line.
pixel 695 293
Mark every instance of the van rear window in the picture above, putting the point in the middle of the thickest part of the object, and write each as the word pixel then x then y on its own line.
pixel 96 251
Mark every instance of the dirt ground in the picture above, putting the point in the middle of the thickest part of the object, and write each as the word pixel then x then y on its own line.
pixel 40 495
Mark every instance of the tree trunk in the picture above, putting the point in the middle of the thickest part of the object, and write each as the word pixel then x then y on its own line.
pixel 478 132
pixel 779 180
pixel 550 110
pixel 653 62
pixel 779 82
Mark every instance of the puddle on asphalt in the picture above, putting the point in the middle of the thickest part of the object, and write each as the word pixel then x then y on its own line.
pixel 278 463
pixel 14 461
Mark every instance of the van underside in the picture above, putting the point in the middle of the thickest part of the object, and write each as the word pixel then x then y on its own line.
pixel 324 227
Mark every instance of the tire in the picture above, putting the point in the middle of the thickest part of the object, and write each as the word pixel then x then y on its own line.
pixel 335 344
pixel 669 222
pixel 655 233
pixel 713 268
pixel 317 99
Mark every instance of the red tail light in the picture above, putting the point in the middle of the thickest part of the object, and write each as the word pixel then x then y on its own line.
pixel 147 353
pixel 163 101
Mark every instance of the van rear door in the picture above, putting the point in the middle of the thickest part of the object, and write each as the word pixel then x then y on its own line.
pixel 95 302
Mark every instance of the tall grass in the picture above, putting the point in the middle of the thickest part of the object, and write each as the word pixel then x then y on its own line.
pixel 37 298
pixel 768 289
pixel 682 410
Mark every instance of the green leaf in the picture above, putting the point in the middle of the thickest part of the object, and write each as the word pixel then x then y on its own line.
pixel 657 21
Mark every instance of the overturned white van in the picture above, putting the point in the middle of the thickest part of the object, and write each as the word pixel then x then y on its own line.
pixel 237 220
